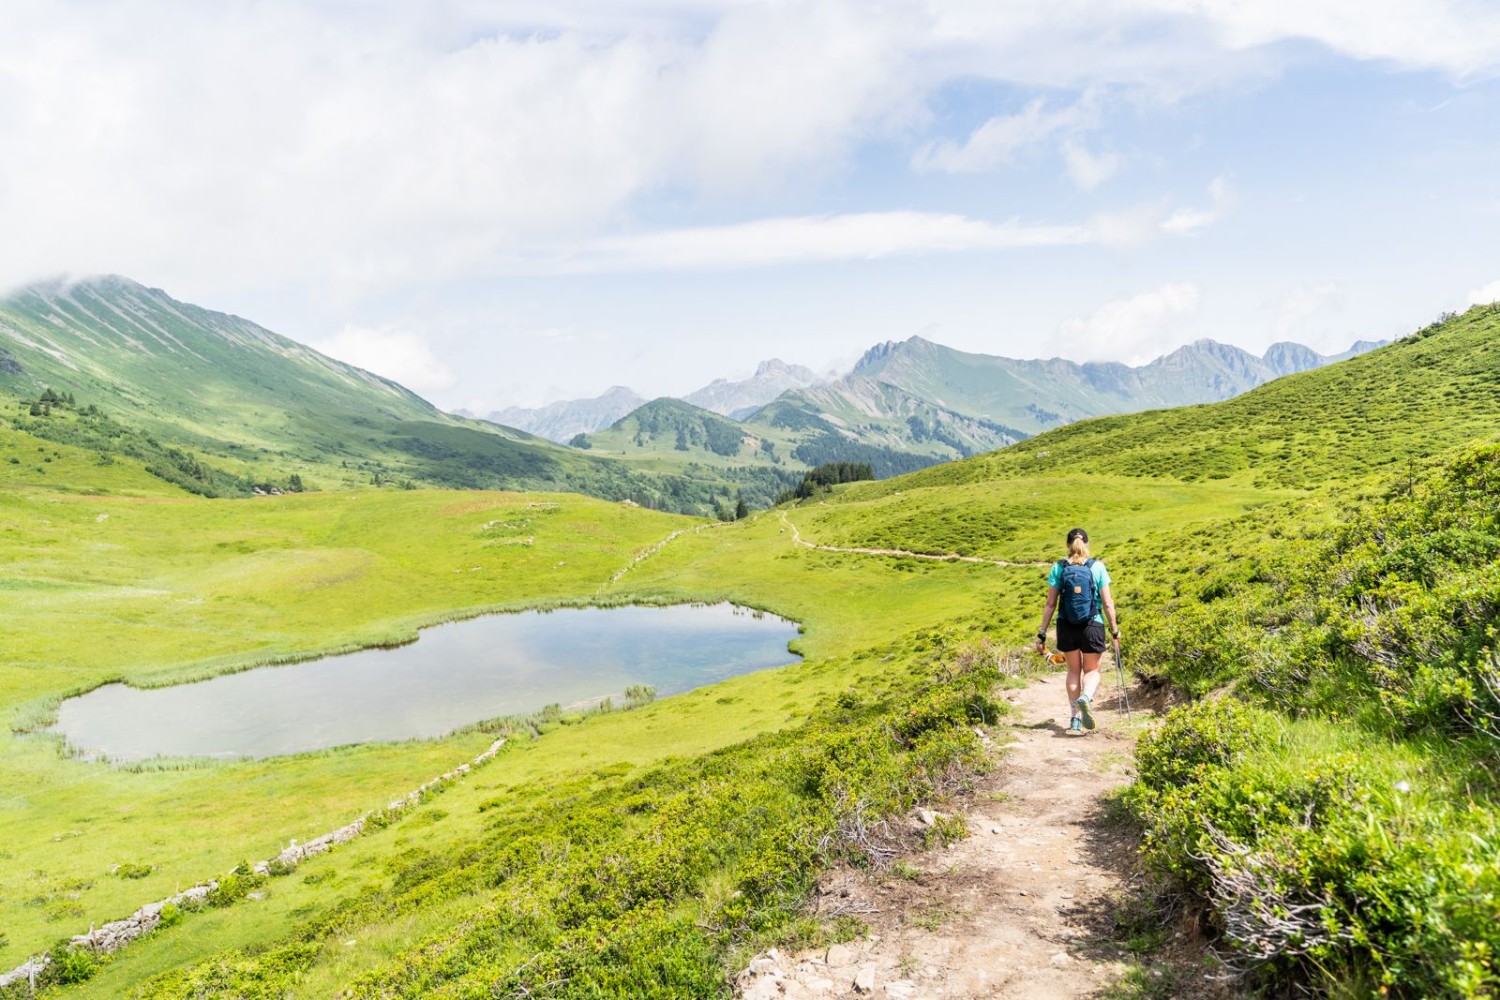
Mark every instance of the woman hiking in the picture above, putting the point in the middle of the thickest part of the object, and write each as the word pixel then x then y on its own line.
pixel 1078 590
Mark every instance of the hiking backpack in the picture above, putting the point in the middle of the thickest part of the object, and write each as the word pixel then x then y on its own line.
pixel 1077 601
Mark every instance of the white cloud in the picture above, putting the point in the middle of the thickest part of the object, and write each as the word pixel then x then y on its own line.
pixel 1177 46
pixel 806 239
pixel 1460 37
pixel 1089 169
pixel 399 355
pixel 1485 294
pixel 359 147
pixel 860 236
pixel 1185 221
pixel 1000 139
pixel 1135 329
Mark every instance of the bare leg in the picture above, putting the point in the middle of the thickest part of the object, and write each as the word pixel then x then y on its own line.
pixel 1090 674
pixel 1075 679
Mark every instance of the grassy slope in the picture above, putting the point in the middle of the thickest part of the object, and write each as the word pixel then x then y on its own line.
pixel 154 586
pixel 264 407
pixel 1157 500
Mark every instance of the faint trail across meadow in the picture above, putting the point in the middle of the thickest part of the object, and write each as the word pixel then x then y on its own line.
pixel 904 553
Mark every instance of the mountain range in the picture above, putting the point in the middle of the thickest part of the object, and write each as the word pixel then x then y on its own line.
pixel 913 403
pixel 1021 397
pixel 220 405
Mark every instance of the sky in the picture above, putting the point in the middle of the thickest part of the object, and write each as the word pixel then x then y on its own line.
pixel 503 203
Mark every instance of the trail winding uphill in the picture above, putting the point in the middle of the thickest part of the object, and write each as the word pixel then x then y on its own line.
pixel 1012 910
pixel 939 556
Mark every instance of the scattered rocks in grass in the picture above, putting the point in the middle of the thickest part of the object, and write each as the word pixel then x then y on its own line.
pixel 118 933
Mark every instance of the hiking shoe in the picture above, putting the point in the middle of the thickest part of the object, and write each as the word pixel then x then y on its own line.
pixel 1083 710
pixel 1075 726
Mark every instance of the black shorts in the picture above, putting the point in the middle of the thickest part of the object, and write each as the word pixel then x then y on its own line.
pixel 1089 638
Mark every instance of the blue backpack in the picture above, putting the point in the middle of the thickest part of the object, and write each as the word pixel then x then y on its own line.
pixel 1077 601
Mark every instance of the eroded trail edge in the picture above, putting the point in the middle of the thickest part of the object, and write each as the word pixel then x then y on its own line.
pixel 1011 911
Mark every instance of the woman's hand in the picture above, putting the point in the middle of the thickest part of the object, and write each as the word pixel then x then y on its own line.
pixel 1041 647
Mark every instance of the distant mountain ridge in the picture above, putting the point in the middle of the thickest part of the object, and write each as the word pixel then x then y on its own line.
pixel 912 403
pixel 1020 396
pixel 740 399
pixel 563 420
pixel 1034 395
pixel 218 404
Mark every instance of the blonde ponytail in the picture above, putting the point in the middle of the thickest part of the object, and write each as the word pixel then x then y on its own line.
pixel 1078 551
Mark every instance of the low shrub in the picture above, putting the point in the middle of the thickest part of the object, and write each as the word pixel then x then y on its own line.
pixel 1317 861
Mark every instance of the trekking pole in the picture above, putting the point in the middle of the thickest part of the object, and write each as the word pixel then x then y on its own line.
pixel 1120 668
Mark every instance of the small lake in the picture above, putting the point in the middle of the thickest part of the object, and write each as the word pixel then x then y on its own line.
pixel 453 675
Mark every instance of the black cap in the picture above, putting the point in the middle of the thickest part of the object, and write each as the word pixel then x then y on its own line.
pixel 1078 533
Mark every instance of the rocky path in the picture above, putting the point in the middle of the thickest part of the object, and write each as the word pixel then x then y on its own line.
pixel 938 556
pixel 1013 910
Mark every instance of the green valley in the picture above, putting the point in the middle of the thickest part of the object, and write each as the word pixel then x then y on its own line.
pixel 222 406
pixel 1309 565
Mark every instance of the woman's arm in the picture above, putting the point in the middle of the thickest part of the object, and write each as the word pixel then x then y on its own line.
pixel 1109 611
pixel 1041 633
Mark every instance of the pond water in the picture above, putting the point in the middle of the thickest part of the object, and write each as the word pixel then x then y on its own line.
pixel 453 675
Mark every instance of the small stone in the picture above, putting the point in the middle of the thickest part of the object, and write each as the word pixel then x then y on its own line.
pixel 901 989
pixel 764 989
pixel 761 966
pixel 864 979
pixel 1061 958
pixel 839 954
pixel 926 816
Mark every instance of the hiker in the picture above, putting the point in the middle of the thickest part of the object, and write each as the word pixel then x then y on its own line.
pixel 1078 589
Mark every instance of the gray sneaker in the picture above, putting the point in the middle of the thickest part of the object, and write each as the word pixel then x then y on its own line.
pixel 1083 711
pixel 1076 725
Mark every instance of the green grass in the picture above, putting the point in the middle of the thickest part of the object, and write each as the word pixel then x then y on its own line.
pixel 167 587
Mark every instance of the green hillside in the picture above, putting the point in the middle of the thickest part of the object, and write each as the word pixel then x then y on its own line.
pixel 866 422
pixel 1316 555
pixel 1403 402
pixel 222 406
pixel 175 370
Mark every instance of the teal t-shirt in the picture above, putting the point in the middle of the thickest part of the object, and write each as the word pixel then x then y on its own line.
pixel 1101 580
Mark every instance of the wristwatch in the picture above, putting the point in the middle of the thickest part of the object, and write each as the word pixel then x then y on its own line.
pixel 1041 637
pixel 1115 633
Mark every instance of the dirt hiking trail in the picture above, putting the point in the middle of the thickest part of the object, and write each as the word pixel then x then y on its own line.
pixel 797 539
pixel 1014 910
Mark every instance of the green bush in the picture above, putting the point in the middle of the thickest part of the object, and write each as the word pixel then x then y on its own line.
pixel 1324 863
pixel 67 966
pixel 1196 738
pixel 234 887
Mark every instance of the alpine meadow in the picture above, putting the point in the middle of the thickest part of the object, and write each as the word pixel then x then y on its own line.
pixel 1307 571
